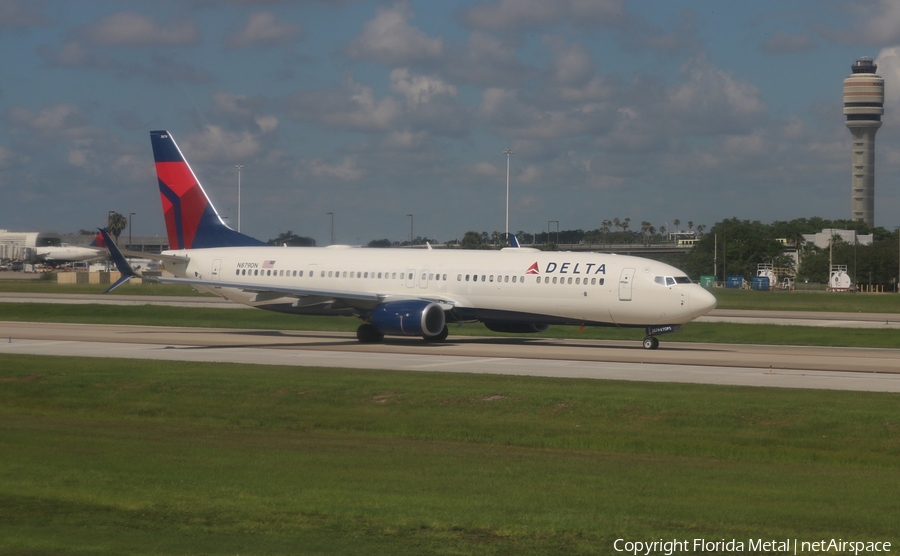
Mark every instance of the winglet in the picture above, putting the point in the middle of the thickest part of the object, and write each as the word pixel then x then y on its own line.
pixel 119 259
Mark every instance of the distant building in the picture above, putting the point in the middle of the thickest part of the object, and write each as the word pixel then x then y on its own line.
pixel 822 239
pixel 21 246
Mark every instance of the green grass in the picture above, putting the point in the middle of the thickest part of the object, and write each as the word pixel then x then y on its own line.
pixel 50 286
pixel 807 301
pixel 138 457
pixel 265 320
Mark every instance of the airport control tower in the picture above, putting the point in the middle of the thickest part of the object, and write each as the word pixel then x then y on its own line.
pixel 863 106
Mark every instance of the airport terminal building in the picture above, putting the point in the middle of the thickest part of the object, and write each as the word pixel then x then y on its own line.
pixel 22 246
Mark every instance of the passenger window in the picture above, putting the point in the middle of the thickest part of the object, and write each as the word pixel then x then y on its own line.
pixel 467 277
pixel 459 277
pixel 601 281
pixel 570 280
pixel 554 279
pixel 474 277
pixel 301 274
pixel 492 278
pixel 514 279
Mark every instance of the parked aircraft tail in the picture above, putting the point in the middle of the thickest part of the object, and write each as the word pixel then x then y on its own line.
pixel 191 218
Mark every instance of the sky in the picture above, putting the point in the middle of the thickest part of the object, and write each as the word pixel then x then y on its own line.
pixel 652 110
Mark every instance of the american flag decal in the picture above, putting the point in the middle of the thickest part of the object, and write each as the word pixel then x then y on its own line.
pixel 268 264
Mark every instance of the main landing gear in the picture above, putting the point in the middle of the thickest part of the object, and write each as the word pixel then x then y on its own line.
pixel 368 334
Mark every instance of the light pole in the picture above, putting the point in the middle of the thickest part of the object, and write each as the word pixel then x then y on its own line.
pixel 239 166
pixel 130 217
pixel 332 226
pixel 557 231
pixel 507 153
pixel 410 229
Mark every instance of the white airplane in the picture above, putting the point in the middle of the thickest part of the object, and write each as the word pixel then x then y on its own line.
pixel 410 292
pixel 60 254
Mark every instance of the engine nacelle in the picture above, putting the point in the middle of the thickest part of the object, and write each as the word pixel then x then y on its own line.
pixel 412 317
pixel 515 327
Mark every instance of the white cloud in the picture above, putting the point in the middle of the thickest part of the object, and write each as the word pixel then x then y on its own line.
pixel 366 113
pixel 419 89
pixel 507 15
pixel 263 29
pixel 883 24
pixel 710 100
pixel 389 39
pixel 131 29
pixel 345 171
pixel 531 174
pixel 267 124
pixel 405 139
pixel 216 144
pixel 488 170
pixel 888 62
pixel 57 118
pixel 572 64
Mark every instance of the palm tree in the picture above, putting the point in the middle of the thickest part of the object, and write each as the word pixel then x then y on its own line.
pixel 115 223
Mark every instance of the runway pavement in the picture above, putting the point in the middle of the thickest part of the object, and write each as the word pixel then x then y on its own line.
pixel 793 318
pixel 775 366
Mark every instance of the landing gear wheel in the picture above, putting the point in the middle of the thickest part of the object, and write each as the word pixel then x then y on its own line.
pixel 651 343
pixel 368 334
pixel 439 338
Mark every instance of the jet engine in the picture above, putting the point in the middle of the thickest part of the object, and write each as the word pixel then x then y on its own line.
pixel 515 327
pixel 412 317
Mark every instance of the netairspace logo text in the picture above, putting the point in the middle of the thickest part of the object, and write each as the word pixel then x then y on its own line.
pixel 770 546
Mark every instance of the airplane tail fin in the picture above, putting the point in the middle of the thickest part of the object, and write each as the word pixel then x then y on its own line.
pixel 98 241
pixel 191 219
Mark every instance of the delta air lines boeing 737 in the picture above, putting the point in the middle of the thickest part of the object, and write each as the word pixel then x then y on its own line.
pixel 411 292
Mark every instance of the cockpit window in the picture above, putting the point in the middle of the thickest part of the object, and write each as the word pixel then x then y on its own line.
pixel 669 281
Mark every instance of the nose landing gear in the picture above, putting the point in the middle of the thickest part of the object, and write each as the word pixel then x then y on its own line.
pixel 651 341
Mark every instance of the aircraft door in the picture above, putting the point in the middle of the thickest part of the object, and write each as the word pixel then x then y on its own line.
pixel 410 277
pixel 423 278
pixel 216 267
pixel 625 282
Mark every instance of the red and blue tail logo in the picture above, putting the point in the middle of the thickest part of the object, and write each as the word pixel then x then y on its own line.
pixel 191 220
pixel 98 241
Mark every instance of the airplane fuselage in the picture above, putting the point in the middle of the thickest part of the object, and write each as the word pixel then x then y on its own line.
pixel 513 285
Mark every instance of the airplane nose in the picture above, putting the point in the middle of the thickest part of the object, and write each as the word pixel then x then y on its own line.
pixel 701 301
